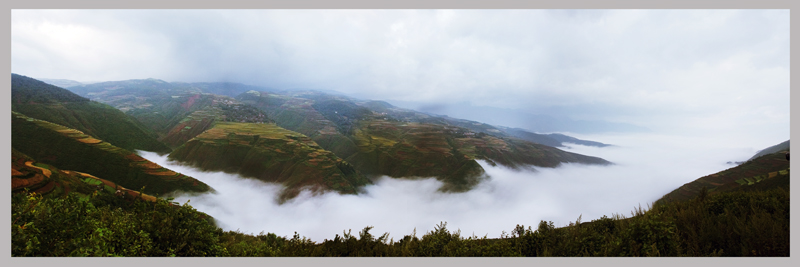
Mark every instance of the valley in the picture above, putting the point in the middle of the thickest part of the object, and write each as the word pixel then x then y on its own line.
pixel 373 137
pixel 305 147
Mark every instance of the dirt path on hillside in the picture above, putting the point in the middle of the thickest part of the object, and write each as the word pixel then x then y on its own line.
pixel 46 172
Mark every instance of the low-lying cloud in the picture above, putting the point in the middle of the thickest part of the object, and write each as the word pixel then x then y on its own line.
pixel 647 166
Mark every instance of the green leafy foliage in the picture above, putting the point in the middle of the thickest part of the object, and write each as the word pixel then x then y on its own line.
pixel 105 225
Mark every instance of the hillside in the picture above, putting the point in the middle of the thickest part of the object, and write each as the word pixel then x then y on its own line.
pixel 71 149
pixel 43 101
pixel 130 95
pixel 206 111
pixel 765 172
pixel 375 137
pixel 402 143
pixel 63 83
pixel 28 175
pixel 62 213
pixel 569 139
pixel 783 146
pixel 76 218
pixel 270 153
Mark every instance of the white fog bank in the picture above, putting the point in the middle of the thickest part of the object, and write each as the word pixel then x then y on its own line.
pixel 646 167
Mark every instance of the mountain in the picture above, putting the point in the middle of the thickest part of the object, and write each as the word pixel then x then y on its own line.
pixel 515 118
pixel 784 146
pixel 189 121
pixel 380 139
pixel 375 137
pixel 569 139
pixel 764 172
pixel 71 149
pixel 270 153
pixel 220 88
pixel 43 101
pixel 63 83
pixel 179 119
pixel 142 93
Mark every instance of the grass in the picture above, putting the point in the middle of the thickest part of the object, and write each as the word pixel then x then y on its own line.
pixel 57 145
pixel 270 153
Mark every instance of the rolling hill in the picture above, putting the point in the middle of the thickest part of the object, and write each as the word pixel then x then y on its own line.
pixel 764 172
pixel 379 139
pixel 29 175
pixel 71 149
pixel 270 153
pixel 43 101
pixel 374 137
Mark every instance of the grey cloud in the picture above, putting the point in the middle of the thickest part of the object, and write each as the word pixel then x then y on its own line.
pixel 676 65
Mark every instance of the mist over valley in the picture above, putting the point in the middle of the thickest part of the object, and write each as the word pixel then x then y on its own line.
pixel 642 173
pixel 297 132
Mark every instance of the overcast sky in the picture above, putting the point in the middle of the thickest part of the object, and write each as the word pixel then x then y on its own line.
pixel 688 72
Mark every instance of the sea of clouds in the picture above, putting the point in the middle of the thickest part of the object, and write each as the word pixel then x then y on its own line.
pixel 646 166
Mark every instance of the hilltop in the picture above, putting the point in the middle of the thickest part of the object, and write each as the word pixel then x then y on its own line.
pixel 270 153
pixel 43 101
pixel 783 146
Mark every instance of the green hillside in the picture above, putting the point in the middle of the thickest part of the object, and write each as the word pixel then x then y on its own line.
pixel 43 101
pixel 28 175
pixel 400 149
pixel 63 83
pixel 61 213
pixel 129 95
pixel 270 153
pixel 783 146
pixel 401 143
pixel 71 149
pixel 214 109
pixel 765 172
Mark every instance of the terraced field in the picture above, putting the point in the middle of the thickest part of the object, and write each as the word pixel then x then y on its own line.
pixel 57 145
pixel 45 179
pixel 399 143
pixel 270 153
pixel 407 149
pixel 766 171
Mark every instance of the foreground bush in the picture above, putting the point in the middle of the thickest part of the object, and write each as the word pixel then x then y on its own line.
pixel 724 224
pixel 106 225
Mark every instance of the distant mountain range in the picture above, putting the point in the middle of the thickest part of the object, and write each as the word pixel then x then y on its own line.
pixel 513 118
pixel 303 139
pixel 63 83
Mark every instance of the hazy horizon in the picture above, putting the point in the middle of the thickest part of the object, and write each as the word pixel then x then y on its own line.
pixel 706 72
